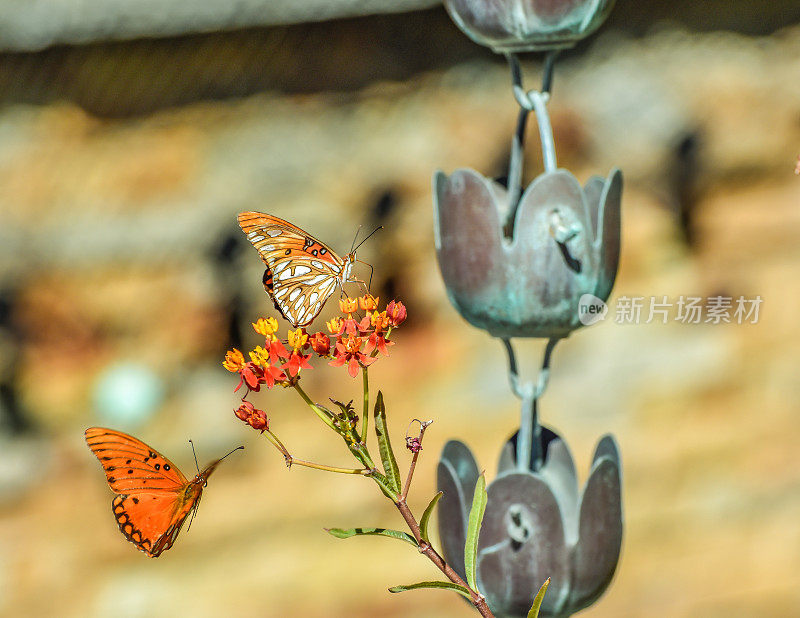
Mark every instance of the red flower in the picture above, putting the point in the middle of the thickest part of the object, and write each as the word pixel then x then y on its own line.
pixel 257 419
pixel 320 343
pixel 277 350
pixel 273 374
pixel 378 342
pixel 355 329
pixel 349 351
pixel 297 361
pixel 396 312
pixel 252 375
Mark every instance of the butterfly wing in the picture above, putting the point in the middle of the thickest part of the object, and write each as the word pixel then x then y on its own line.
pixel 131 465
pixel 302 272
pixel 152 521
pixel 154 496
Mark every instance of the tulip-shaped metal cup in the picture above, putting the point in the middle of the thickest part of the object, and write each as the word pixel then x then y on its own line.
pixel 536 525
pixel 521 270
pixel 528 25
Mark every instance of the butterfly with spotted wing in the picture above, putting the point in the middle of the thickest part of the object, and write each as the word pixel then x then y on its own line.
pixel 153 497
pixel 302 272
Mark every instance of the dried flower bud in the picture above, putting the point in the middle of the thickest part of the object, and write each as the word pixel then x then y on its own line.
pixel 257 419
pixel 413 444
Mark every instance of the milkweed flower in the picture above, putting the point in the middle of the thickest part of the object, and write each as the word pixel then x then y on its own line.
pixel 396 311
pixel 348 305
pixel 298 339
pixel 335 326
pixel 368 302
pixel 348 351
pixel 266 326
pixel 320 343
pixel 234 361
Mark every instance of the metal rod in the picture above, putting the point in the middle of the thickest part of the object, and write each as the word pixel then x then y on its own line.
pixel 539 102
pixel 530 453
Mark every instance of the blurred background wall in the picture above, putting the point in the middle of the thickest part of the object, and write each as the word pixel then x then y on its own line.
pixel 132 133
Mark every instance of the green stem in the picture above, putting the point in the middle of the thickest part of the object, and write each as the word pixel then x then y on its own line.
pixel 365 414
pixel 325 418
pixel 290 461
pixel 316 466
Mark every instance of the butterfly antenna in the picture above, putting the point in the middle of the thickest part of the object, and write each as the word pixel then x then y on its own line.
pixel 354 239
pixel 232 452
pixel 380 227
pixel 195 457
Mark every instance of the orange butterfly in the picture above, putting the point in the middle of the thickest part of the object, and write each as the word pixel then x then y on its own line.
pixel 154 498
pixel 302 272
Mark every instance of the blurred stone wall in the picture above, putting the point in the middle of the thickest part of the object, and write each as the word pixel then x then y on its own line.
pixel 123 164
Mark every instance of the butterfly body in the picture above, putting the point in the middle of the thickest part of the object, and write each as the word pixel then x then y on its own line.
pixel 301 271
pixel 153 498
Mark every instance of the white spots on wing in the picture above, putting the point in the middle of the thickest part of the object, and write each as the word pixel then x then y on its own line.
pixel 294 294
pixel 281 293
pixel 268 248
pixel 317 279
pixel 301 270
pixel 334 268
pixel 315 309
pixel 327 285
pixel 254 237
pixel 274 233
pixel 299 303
pixel 318 264
pixel 313 298
pixel 289 316
pixel 280 266
pixel 285 274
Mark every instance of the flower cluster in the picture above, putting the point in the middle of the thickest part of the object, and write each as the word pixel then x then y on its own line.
pixel 353 341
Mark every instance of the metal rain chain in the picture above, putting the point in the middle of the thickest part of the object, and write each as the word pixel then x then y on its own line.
pixel 517 263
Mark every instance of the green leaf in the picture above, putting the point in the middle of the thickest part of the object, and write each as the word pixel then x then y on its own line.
pixel 537 602
pixel 479 500
pixel 440 585
pixel 423 523
pixel 341 533
pixel 385 446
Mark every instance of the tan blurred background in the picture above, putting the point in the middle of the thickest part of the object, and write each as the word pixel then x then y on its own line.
pixel 128 143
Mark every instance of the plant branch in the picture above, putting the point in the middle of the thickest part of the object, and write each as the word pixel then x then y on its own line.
pixel 425 548
pixel 290 461
pixel 407 486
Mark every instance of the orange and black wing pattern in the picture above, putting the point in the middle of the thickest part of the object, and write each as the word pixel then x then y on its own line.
pixel 154 497
pixel 302 272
